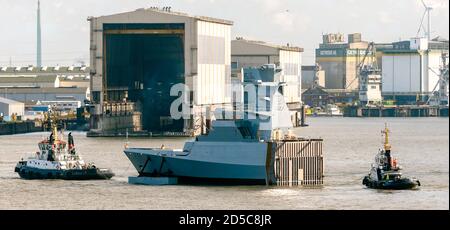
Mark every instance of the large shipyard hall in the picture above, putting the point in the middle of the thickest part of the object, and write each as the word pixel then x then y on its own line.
pixel 137 57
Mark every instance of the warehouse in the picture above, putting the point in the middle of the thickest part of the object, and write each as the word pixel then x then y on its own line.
pixel 9 107
pixel 45 77
pixel 410 70
pixel 247 53
pixel 312 76
pixel 30 96
pixel 50 81
pixel 32 71
pixel 136 57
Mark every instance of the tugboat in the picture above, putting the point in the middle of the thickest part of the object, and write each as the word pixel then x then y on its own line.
pixel 55 161
pixel 386 172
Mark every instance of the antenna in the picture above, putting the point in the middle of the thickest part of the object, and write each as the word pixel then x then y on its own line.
pixel 426 13
pixel 38 37
pixel 386 132
pixel 127 143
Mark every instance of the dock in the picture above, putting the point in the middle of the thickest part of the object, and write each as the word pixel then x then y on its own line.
pixel 11 128
pixel 298 163
pixel 397 111
pixel 138 134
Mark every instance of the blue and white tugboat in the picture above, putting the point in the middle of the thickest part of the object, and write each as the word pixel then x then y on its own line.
pixel 386 172
pixel 57 159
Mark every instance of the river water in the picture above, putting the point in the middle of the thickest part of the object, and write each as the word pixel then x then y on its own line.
pixel 350 144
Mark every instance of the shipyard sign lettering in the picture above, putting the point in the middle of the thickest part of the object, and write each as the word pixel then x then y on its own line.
pixel 358 52
pixel 255 220
pixel 328 53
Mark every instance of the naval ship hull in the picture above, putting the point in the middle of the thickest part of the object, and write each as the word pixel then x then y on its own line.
pixel 243 163
pixel 30 173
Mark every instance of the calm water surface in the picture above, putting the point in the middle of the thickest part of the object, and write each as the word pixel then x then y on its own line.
pixel 422 146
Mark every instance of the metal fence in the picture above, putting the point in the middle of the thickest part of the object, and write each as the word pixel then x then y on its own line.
pixel 298 162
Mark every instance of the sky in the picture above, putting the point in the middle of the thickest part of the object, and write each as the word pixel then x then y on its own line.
pixel 65 29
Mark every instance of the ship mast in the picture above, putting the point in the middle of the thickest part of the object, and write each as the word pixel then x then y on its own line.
pixel 53 124
pixel 387 146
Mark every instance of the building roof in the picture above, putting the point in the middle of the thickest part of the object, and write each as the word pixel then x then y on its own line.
pixel 8 101
pixel 315 90
pixel 167 10
pixel 37 90
pixel 45 69
pixel 74 78
pixel 29 79
pixel 440 39
pixel 262 43
pixel 437 43
pixel 309 67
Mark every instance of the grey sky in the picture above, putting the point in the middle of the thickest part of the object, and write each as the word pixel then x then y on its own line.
pixel 65 30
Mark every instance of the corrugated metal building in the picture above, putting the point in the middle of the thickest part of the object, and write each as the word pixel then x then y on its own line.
pixel 312 76
pixel 61 71
pixel 45 77
pixel 138 56
pixel 43 81
pixel 9 107
pixel 31 96
pixel 410 70
pixel 247 53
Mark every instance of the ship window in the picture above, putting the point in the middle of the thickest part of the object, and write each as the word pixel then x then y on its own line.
pixel 234 65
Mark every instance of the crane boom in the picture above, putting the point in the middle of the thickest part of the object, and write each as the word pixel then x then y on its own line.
pixel 360 66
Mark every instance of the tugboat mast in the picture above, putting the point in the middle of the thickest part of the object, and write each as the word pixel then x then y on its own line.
pixel 387 146
pixel 54 125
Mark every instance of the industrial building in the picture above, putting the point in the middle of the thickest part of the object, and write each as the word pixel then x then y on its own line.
pixel 136 58
pixel 61 71
pixel 247 53
pixel 411 70
pixel 340 60
pixel 61 86
pixel 31 96
pixel 370 87
pixel 10 107
pixel 42 81
pixel 45 77
pixel 312 76
pixel 318 96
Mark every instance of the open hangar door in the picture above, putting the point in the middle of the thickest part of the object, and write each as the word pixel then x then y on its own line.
pixel 143 62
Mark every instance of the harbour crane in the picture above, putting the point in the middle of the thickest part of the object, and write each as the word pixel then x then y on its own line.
pixel 361 66
pixel 439 95
pixel 369 79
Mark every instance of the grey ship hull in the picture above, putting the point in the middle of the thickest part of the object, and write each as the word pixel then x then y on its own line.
pixel 211 162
